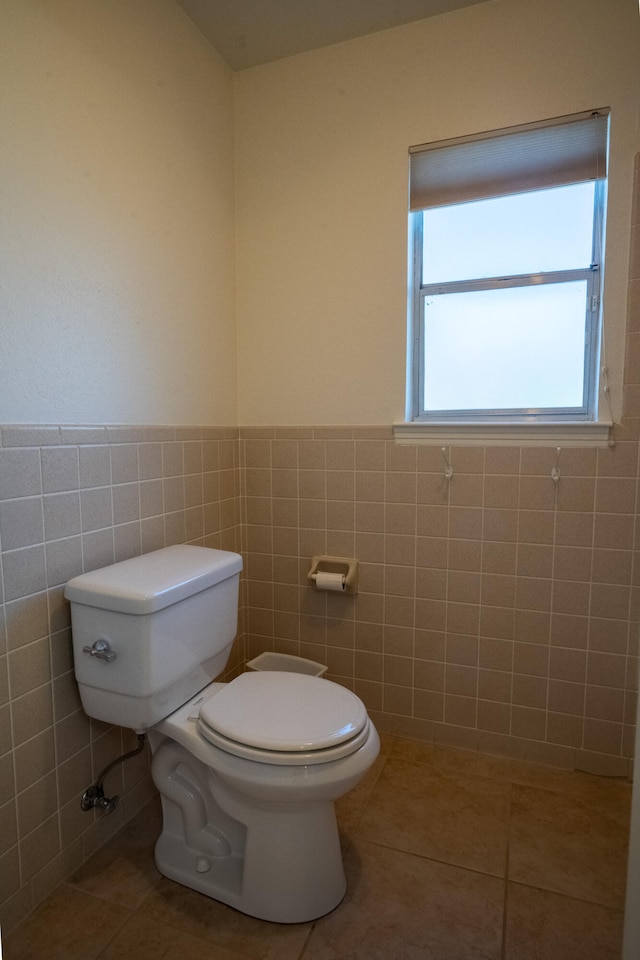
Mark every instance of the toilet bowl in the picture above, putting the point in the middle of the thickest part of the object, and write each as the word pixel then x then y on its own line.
pixel 249 824
pixel 248 771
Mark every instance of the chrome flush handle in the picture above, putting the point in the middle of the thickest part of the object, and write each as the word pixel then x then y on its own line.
pixel 101 651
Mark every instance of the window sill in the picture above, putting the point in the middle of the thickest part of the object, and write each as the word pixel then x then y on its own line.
pixel 485 434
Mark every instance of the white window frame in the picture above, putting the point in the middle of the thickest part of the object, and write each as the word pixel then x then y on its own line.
pixel 535 425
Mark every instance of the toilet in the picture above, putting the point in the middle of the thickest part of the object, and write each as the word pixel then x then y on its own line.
pixel 248 771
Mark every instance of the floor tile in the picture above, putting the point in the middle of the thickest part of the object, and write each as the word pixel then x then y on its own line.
pixel 350 808
pixel 573 783
pixel 459 820
pixel 403 907
pixel 548 926
pixel 207 919
pixel 567 845
pixel 468 762
pixel 414 750
pixel 144 939
pixel 426 835
pixel 69 925
pixel 123 871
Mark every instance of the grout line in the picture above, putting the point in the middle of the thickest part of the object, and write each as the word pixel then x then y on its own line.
pixel 432 859
pixel 505 903
pixel 554 547
pixel 568 896
pixel 308 938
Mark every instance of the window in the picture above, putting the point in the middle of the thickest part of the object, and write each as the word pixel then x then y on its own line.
pixel 507 264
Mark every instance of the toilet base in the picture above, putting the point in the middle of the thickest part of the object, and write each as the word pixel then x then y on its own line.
pixel 278 861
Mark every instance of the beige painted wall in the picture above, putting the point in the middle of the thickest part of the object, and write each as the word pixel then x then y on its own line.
pixel 322 179
pixel 116 187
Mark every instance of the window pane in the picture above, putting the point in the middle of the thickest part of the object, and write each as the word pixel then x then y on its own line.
pixel 527 233
pixel 519 347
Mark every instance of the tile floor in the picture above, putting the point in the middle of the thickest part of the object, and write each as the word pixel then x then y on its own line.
pixel 449 855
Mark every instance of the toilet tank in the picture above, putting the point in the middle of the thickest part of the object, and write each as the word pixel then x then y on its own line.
pixel 170 618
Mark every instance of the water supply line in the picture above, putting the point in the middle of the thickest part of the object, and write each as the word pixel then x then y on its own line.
pixel 94 795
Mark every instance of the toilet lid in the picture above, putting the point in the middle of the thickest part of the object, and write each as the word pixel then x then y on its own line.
pixel 284 712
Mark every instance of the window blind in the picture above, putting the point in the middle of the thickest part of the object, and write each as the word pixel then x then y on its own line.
pixel 513 160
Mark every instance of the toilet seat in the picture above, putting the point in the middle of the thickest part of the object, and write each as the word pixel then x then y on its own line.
pixel 284 718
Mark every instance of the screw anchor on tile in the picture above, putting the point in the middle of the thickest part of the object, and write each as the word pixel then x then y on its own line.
pixel 448 469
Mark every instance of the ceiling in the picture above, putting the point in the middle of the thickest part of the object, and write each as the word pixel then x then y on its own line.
pixel 249 32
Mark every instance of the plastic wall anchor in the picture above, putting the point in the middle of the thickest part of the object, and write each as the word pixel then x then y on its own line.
pixel 448 469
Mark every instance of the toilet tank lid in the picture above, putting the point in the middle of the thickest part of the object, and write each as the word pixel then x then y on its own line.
pixel 155 580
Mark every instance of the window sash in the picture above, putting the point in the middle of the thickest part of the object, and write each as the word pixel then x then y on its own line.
pixel 519 280
pixel 592 274
pixel 522 413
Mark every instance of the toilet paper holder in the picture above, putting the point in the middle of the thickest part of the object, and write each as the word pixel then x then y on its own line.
pixel 334 573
